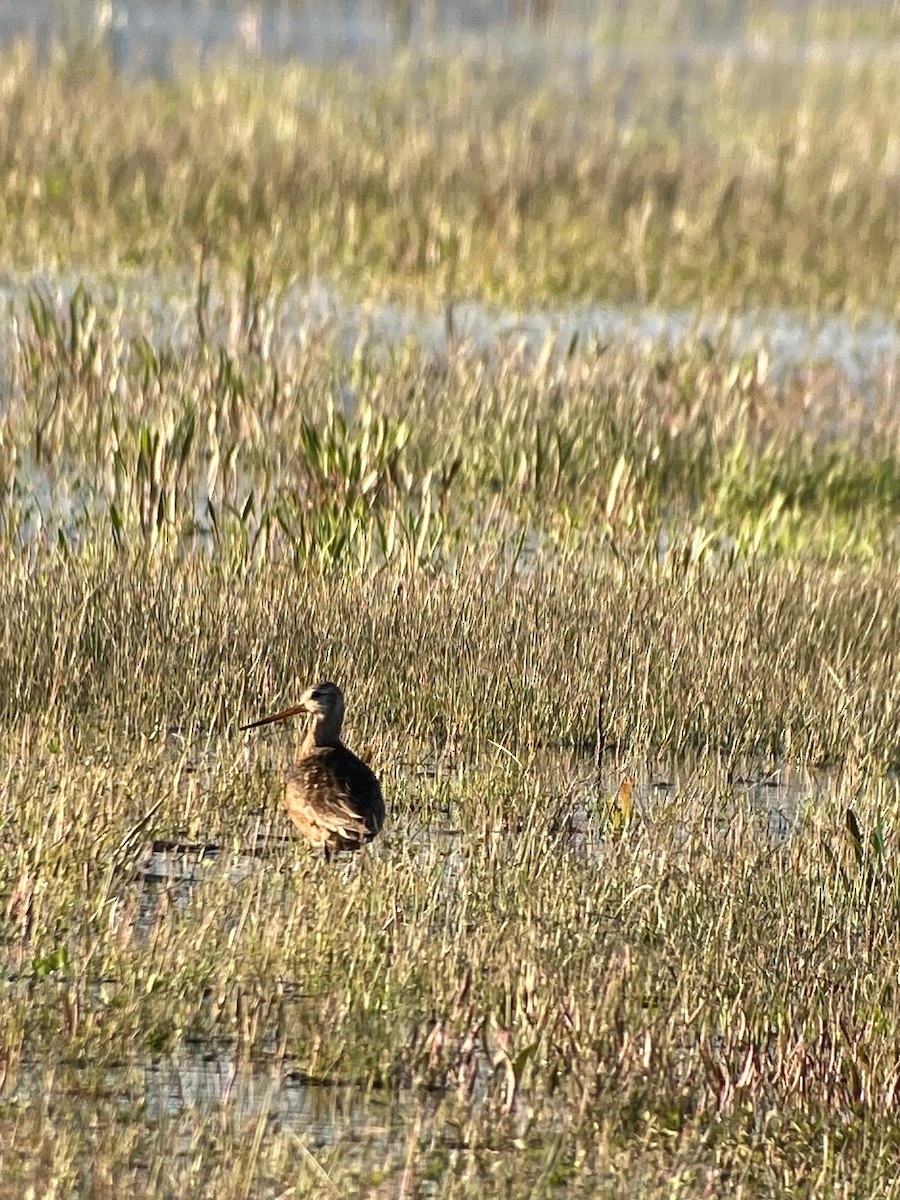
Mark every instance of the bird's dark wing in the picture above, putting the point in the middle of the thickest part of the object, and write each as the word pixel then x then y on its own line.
pixel 333 796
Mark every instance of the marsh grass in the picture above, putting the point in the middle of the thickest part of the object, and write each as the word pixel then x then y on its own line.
pixel 366 460
pixel 745 182
pixel 769 662
pixel 533 983
pixel 684 997
pixel 536 1004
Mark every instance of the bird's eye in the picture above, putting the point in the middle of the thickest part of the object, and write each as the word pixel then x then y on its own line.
pixel 315 695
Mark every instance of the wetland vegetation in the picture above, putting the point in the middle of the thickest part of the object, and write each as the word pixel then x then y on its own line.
pixel 529 986
pixel 742 183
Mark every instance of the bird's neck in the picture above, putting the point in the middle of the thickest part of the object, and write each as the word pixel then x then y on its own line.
pixel 324 731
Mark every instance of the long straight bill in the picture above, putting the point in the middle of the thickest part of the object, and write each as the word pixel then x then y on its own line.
pixel 279 716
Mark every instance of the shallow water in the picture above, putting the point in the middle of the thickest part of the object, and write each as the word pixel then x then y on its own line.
pixel 865 352
pixel 205 1084
pixel 159 37
pixel 774 799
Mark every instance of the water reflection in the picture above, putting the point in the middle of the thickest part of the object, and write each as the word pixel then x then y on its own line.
pixel 205 1077
pixel 205 1082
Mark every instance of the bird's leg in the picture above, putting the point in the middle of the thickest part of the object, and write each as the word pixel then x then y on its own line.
pixel 327 850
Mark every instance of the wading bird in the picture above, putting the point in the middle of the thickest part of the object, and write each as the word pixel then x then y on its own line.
pixel 331 795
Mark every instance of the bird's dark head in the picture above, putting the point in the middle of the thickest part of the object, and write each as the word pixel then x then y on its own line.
pixel 324 701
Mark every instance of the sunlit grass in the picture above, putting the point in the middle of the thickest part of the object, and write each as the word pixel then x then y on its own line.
pixel 625 954
pixel 771 185
pixel 393 457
